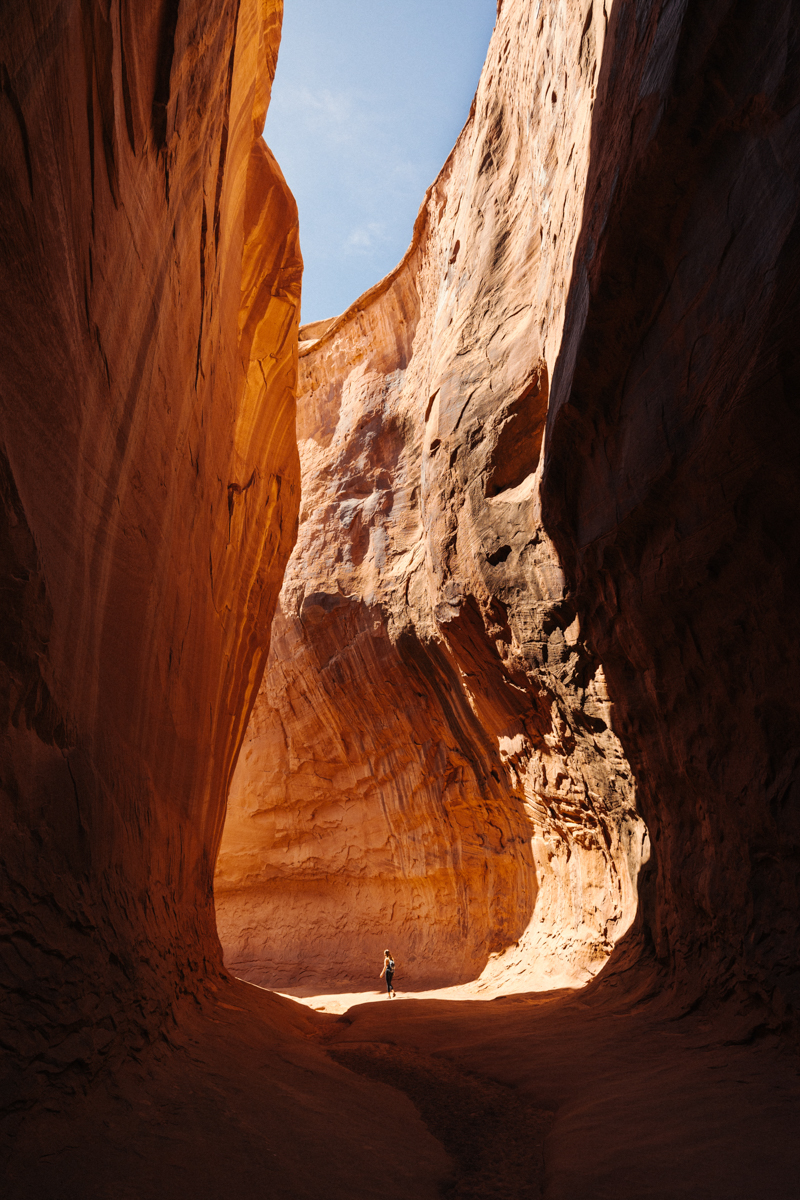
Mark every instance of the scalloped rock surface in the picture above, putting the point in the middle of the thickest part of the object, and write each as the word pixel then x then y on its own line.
pixel 430 764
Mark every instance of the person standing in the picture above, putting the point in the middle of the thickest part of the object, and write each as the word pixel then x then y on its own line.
pixel 388 970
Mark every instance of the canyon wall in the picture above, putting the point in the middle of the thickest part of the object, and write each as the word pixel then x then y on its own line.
pixel 548 543
pixel 430 764
pixel 671 483
pixel 547 546
pixel 149 482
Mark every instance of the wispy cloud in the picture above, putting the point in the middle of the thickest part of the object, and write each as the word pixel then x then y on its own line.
pixel 364 238
pixel 364 111
pixel 337 116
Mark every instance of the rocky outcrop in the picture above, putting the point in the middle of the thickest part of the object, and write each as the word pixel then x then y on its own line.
pixel 431 762
pixel 148 472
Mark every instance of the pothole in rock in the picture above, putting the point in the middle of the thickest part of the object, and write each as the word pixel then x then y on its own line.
pixel 494 1135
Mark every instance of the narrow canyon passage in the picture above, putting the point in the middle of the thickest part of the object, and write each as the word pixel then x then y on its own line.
pixel 431 761
pixel 472 604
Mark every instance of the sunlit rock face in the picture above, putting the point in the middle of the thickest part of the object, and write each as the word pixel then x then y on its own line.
pixel 149 487
pixel 593 337
pixel 431 763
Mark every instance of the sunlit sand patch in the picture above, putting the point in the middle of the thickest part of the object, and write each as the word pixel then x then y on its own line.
pixel 478 989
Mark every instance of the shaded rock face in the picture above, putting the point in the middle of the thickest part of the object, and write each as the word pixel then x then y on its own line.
pixel 671 485
pixel 148 495
pixel 431 763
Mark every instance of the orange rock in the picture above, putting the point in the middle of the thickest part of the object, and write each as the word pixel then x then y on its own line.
pixel 430 763
pixel 143 535
pixel 149 474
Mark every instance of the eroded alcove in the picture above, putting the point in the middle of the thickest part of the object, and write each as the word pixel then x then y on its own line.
pixel 431 761
pixel 651 269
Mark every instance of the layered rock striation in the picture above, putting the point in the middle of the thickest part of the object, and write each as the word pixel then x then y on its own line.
pixel 149 486
pixel 431 762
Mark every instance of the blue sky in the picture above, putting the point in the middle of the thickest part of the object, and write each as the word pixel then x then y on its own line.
pixel 369 97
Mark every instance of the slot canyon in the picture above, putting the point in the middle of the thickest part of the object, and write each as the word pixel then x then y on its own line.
pixel 459 622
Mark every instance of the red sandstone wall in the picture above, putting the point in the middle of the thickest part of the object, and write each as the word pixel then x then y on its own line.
pixel 149 485
pixel 622 207
pixel 150 275
pixel 431 763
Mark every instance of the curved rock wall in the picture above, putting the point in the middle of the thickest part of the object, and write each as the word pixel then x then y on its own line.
pixel 431 764
pixel 671 486
pixel 620 218
pixel 149 484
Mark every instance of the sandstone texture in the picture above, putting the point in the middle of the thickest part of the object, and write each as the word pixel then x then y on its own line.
pixel 671 484
pixel 534 680
pixel 546 561
pixel 149 488
pixel 431 763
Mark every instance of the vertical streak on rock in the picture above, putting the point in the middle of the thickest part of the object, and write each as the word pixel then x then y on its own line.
pixel 167 25
pixel 127 674
pixel 7 90
pixel 223 146
pixel 203 234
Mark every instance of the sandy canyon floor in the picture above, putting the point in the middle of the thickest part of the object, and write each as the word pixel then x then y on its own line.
pixel 561 1095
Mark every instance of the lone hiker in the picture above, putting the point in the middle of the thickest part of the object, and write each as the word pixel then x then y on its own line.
pixel 388 969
